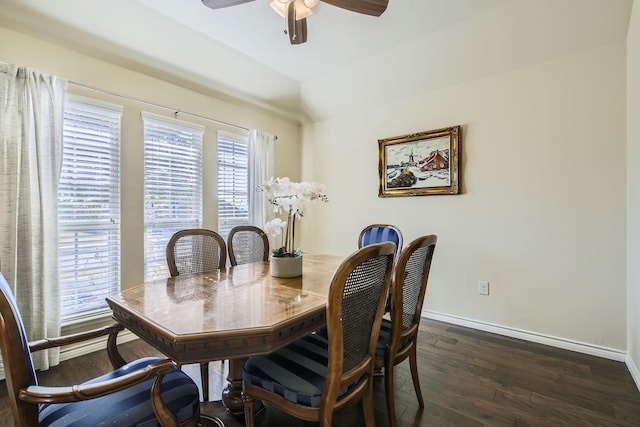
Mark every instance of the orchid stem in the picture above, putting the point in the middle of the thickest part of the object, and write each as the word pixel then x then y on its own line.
pixel 293 234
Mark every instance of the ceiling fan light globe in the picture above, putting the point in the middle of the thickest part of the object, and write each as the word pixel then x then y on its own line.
pixel 280 7
pixel 302 11
pixel 311 3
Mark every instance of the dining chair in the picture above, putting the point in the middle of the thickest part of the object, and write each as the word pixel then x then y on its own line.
pixel 148 391
pixel 316 375
pixel 399 334
pixel 197 250
pixel 376 233
pixel 247 243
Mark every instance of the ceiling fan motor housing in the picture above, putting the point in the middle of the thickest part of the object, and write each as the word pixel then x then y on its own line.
pixel 296 11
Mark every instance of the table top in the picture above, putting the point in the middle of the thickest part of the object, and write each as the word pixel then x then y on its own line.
pixel 235 312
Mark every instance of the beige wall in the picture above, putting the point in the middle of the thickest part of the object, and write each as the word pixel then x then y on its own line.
pixel 633 194
pixel 542 214
pixel 26 51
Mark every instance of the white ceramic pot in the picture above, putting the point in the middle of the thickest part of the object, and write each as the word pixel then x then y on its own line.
pixel 286 267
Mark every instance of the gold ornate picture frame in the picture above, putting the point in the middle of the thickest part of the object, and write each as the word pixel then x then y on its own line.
pixel 420 164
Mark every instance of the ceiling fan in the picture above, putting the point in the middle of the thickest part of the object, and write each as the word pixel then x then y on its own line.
pixel 296 11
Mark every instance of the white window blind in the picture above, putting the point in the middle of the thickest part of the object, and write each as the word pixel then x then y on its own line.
pixel 233 181
pixel 172 186
pixel 89 207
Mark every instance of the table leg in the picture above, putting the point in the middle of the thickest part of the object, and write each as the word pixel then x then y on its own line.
pixel 204 377
pixel 232 393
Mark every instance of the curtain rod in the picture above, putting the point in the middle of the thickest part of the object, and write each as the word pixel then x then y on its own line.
pixel 175 110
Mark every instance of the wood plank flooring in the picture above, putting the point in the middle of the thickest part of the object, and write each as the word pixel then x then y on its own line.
pixel 468 378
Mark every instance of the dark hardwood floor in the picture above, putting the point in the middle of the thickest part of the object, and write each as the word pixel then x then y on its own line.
pixel 468 378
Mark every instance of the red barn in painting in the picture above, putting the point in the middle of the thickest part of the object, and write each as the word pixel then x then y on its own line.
pixel 435 161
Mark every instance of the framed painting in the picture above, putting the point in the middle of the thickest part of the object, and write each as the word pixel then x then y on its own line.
pixel 420 164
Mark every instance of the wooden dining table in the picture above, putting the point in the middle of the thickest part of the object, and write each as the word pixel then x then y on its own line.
pixel 229 314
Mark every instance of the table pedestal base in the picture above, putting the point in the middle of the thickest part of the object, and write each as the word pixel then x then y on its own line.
pixel 232 393
pixel 215 410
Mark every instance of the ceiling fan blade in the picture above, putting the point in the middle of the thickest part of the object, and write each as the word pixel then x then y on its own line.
pixel 368 7
pixel 219 4
pixel 297 29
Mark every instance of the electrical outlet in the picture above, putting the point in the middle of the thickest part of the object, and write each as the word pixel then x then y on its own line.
pixel 483 287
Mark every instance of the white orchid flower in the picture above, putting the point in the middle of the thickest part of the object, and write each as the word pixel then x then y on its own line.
pixel 275 227
pixel 289 198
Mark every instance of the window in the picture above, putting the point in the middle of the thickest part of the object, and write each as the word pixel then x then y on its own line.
pixel 89 207
pixel 172 186
pixel 233 181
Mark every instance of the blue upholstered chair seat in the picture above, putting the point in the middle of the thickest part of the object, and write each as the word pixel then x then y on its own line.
pixel 129 407
pixel 383 340
pixel 297 372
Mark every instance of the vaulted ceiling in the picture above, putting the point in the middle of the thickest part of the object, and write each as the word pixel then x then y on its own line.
pixel 242 51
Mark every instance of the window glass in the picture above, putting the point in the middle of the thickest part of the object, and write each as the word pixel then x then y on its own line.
pixel 172 186
pixel 89 207
pixel 233 181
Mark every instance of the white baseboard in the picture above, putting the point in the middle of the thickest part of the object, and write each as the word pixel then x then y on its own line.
pixel 580 347
pixel 633 369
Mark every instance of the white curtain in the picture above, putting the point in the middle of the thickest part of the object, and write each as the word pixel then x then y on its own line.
pixel 31 118
pixel 261 169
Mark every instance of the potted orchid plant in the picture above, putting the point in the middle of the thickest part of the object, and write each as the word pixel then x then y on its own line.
pixel 289 200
